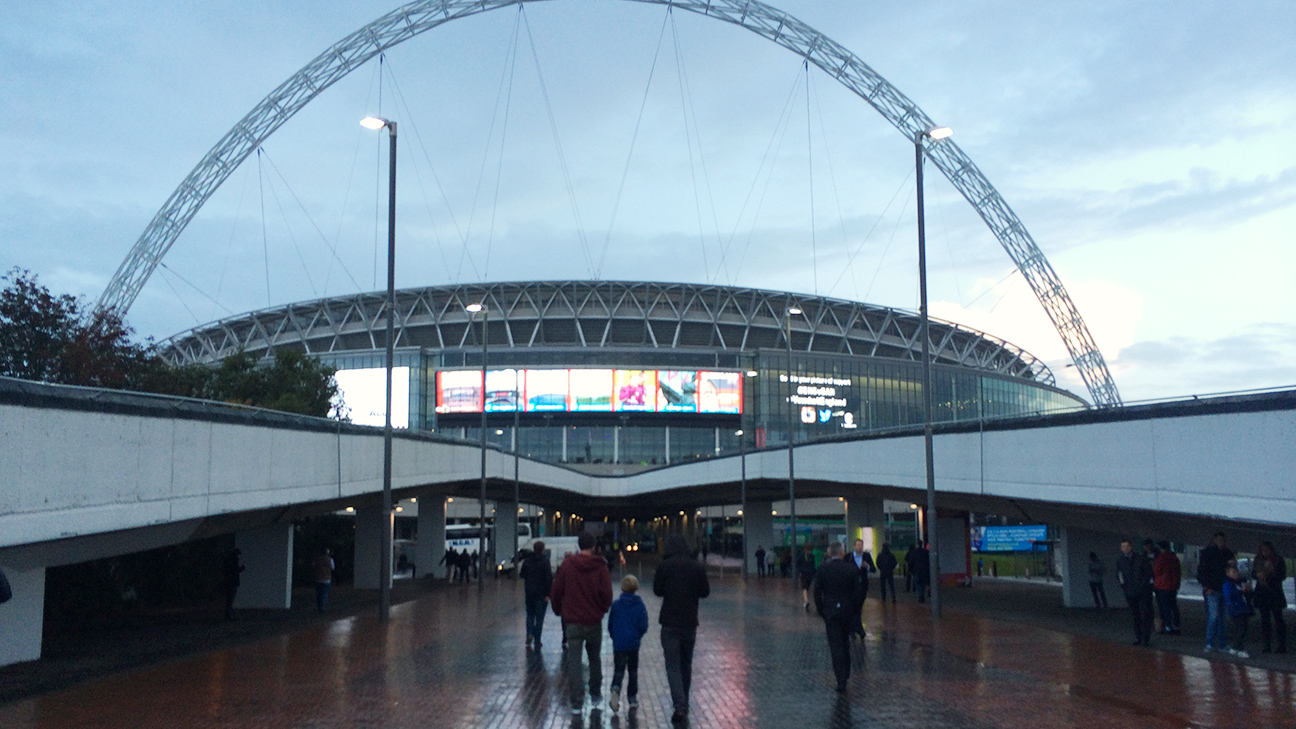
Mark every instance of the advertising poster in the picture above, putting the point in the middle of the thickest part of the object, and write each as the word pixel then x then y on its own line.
pixel 720 392
pixel 459 391
pixel 676 391
pixel 591 391
pixel 636 390
pixel 1025 538
pixel 545 391
pixel 501 390
pixel 364 393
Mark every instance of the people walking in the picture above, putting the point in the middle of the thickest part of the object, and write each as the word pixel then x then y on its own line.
pixel 581 594
pixel 627 623
pixel 919 564
pixel 1134 572
pixel 324 567
pixel 1239 610
pixel 1097 571
pixel 681 582
pixel 449 559
pixel 886 564
pixel 1167 574
pixel 1211 564
pixel 1270 571
pixel 760 560
pixel 231 571
pixel 837 596
pixel 537 580
pixel 805 573
pixel 863 562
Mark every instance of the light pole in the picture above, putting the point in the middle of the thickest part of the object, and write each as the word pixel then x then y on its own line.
pixel 481 498
pixel 742 510
pixel 517 445
pixel 791 312
pixel 385 552
pixel 933 556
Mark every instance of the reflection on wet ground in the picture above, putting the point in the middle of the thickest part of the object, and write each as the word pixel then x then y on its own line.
pixel 455 658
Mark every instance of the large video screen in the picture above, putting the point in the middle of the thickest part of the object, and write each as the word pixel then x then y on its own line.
pixel 590 391
pixel 364 393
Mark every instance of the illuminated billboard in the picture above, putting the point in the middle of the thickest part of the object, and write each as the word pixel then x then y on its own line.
pixel 364 393
pixel 591 391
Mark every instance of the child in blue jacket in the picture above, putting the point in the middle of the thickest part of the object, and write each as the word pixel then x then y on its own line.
pixel 1239 610
pixel 627 623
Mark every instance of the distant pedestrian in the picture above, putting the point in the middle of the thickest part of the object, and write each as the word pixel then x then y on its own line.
pixel 1167 574
pixel 1097 571
pixel 324 567
pixel 537 579
pixel 919 563
pixel 1270 571
pixel 1239 610
pixel 475 561
pixel 805 573
pixel 863 562
pixel 680 582
pixel 837 596
pixel 627 623
pixel 1211 564
pixel 886 564
pixel 1134 572
pixel 760 560
pixel 449 559
pixel 581 594
pixel 980 566
pixel 231 571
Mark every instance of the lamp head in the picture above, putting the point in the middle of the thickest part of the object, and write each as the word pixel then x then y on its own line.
pixel 793 310
pixel 373 122
pixel 474 308
pixel 940 132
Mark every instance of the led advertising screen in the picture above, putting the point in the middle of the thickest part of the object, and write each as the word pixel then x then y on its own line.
pixel 459 391
pixel 1024 538
pixel 591 391
pixel 636 390
pixel 546 391
pixel 364 393
pixel 502 390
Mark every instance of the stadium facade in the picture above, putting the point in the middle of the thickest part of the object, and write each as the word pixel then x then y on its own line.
pixel 640 373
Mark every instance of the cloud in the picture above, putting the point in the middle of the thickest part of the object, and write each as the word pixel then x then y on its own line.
pixel 1258 356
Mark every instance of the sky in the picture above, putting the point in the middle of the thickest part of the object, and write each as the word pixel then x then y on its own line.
pixel 1145 146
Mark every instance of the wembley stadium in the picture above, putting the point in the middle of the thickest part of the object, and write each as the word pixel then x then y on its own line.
pixel 605 372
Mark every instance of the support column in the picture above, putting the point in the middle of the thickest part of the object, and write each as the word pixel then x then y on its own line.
pixel 865 520
pixel 1074 546
pixel 429 547
pixel 369 524
pixel 22 619
pixel 506 520
pixel 758 525
pixel 268 559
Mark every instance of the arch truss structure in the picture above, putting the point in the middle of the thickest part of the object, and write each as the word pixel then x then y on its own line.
pixel 423 15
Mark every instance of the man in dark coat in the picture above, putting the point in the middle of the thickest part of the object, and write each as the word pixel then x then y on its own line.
pixel 837 595
pixel 760 560
pixel 919 562
pixel 537 578
pixel 231 572
pixel 1134 572
pixel 680 582
pixel 1211 563
pixel 863 562
pixel 582 594
pixel 886 564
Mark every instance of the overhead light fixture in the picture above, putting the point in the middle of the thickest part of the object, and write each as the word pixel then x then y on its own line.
pixel 373 122
pixel 752 373
pixel 474 308
pixel 793 310
pixel 940 132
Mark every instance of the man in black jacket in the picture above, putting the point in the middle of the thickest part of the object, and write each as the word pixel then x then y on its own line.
pixel 918 561
pixel 680 582
pixel 837 594
pixel 537 576
pixel 1134 572
pixel 1211 563
pixel 886 564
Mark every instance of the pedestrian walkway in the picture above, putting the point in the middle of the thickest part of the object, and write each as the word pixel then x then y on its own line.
pixel 455 658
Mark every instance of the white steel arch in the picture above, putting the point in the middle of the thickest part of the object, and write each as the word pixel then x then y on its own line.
pixel 419 16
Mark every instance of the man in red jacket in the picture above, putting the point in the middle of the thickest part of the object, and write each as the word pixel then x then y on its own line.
pixel 1166 575
pixel 581 594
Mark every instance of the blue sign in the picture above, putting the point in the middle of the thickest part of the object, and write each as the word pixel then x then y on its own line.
pixel 1025 538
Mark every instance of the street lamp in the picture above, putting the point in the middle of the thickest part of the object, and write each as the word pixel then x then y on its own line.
pixel 742 456
pixel 481 499
pixel 791 312
pixel 933 556
pixel 385 553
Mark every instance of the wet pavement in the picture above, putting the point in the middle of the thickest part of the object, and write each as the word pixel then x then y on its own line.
pixel 455 658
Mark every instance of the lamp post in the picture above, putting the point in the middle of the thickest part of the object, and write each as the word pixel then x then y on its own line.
pixel 481 498
pixel 933 555
pixel 517 446
pixel 385 552
pixel 742 510
pixel 791 312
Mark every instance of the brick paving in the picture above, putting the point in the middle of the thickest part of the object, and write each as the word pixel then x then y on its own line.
pixel 455 658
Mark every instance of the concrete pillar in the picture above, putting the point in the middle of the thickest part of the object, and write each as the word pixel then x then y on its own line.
pixel 758 526
pixel 268 558
pixel 1074 546
pixel 22 619
pixel 429 547
pixel 370 522
pixel 865 519
pixel 506 520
